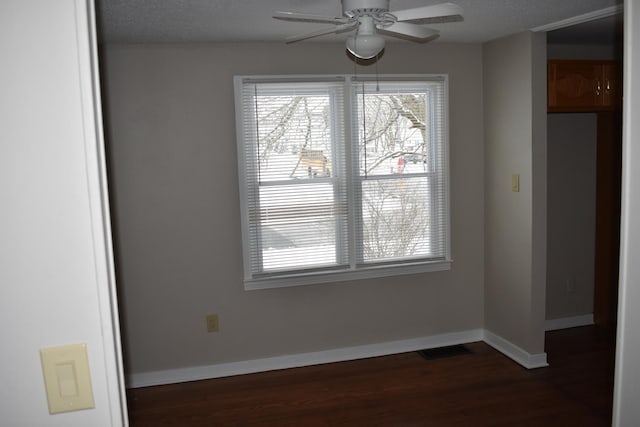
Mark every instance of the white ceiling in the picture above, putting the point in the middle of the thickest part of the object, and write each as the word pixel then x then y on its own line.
pixel 183 21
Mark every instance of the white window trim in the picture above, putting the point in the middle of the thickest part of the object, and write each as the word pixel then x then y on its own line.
pixel 355 271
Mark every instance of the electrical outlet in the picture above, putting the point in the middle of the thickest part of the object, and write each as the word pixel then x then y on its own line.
pixel 570 285
pixel 515 182
pixel 212 323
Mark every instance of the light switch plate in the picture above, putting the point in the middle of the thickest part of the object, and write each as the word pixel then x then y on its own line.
pixel 67 378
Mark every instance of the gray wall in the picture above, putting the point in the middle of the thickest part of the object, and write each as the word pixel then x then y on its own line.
pixel 572 207
pixel 172 152
pixel 515 228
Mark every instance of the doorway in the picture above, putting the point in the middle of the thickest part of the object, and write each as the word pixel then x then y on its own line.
pixel 584 147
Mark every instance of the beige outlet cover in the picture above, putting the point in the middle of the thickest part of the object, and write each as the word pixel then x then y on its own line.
pixel 67 378
pixel 515 182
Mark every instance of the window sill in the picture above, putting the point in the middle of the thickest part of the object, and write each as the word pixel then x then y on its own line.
pixel 342 276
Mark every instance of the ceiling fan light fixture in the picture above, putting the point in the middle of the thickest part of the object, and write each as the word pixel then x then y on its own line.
pixel 367 17
pixel 365 46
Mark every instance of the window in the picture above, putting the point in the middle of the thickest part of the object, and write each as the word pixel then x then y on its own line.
pixel 342 177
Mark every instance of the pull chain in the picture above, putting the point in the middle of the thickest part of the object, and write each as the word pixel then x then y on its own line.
pixel 377 79
pixel 364 131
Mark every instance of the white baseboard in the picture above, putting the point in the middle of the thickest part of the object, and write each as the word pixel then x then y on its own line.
pixel 568 322
pixel 528 360
pixel 171 376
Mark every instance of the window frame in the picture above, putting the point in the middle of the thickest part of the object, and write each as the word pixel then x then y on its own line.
pixel 355 269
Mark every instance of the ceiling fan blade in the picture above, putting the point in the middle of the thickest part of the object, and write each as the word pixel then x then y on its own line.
pixel 308 17
pixel 445 12
pixel 336 29
pixel 411 31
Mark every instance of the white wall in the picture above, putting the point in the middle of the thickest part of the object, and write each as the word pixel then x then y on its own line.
pixel 626 411
pixel 515 224
pixel 54 236
pixel 172 145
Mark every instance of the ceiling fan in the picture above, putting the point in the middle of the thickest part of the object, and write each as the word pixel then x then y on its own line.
pixel 370 18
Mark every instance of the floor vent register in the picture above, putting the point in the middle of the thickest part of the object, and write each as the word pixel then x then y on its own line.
pixel 444 352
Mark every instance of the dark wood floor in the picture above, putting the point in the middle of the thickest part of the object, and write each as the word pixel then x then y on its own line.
pixel 483 388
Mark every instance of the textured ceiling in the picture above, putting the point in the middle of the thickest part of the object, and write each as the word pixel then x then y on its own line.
pixel 182 21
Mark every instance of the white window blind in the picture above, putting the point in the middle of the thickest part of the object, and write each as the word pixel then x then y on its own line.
pixel 342 177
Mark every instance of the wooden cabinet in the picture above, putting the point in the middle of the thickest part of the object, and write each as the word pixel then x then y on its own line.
pixel 581 85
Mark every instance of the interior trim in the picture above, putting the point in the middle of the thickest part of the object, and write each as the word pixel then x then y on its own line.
pixel 509 349
pixel 586 17
pixel 172 376
pixel 568 322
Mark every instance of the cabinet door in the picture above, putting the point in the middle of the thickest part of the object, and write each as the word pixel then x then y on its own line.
pixel 575 84
pixel 612 85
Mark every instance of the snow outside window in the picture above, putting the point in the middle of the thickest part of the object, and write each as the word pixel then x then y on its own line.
pixel 342 177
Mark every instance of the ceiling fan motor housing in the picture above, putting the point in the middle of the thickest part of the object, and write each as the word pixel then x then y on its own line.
pixel 366 17
pixel 357 8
